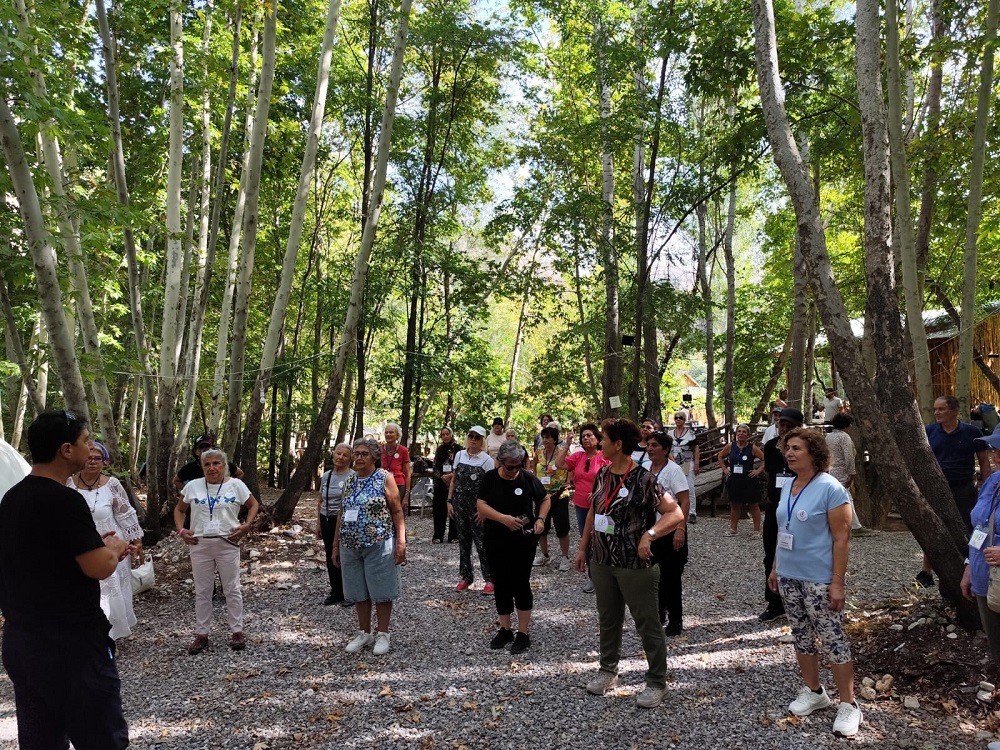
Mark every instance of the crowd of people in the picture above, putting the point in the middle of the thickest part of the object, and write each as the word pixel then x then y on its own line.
pixel 632 490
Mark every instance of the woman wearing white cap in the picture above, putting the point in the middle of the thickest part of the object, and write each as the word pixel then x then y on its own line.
pixel 470 467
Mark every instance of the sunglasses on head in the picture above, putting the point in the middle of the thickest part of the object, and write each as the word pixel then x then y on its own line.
pixel 71 417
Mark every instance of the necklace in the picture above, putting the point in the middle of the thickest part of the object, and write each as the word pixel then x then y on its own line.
pixel 89 485
pixel 90 488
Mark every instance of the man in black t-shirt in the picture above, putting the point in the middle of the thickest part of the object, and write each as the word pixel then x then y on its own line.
pixel 56 648
pixel 193 470
pixel 777 471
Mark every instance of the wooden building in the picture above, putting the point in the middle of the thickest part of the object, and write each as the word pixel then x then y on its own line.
pixel 942 339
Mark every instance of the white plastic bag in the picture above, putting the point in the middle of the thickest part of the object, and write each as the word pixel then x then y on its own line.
pixel 143 577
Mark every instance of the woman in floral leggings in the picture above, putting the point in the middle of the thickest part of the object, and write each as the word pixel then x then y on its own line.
pixel 814 532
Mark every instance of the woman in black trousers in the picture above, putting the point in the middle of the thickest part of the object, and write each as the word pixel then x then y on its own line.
pixel 670 551
pixel 331 496
pixel 444 459
pixel 513 505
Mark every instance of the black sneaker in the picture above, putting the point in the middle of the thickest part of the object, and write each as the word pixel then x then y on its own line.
pixel 925 578
pixel 521 644
pixel 771 614
pixel 503 638
pixel 673 628
pixel 331 599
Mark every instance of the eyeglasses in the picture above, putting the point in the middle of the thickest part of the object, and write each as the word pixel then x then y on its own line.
pixel 361 454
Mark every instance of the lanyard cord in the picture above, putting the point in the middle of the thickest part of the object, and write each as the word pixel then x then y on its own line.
pixel 213 502
pixel 791 504
pixel 621 483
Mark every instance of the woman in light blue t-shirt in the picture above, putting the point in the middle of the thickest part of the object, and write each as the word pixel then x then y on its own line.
pixel 814 532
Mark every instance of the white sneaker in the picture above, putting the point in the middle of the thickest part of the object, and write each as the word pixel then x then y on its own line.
pixel 381 644
pixel 588 587
pixel 848 720
pixel 540 559
pixel 564 564
pixel 808 701
pixel 359 641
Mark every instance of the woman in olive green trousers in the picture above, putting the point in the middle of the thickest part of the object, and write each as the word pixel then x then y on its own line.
pixel 627 512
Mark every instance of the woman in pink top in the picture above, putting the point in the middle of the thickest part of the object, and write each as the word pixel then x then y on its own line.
pixel 583 467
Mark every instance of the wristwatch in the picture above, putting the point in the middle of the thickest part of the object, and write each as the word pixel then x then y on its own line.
pixel 652 533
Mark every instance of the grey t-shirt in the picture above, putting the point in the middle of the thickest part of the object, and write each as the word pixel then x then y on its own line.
pixel 331 488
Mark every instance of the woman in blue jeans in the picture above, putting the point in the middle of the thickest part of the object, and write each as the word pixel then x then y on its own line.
pixel 583 467
pixel 370 544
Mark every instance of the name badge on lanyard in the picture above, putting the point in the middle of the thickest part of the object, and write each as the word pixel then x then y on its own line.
pixel 780 479
pixel 604 524
pixel 351 515
pixel 446 468
pixel 977 539
pixel 545 480
pixel 738 469
pixel 785 539
pixel 212 528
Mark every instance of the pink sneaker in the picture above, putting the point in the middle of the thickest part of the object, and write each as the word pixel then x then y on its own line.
pixel 488 589
pixel 462 585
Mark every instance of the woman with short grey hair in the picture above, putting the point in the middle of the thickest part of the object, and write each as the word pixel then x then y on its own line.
pixel 370 545
pixel 513 505
pixel 396 460
pixel 331 497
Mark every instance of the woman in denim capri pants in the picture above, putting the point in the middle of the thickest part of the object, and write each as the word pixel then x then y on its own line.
pixel 370 544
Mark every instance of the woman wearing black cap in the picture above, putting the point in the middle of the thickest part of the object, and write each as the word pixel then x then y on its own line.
pixel 777 474
pixel 193 469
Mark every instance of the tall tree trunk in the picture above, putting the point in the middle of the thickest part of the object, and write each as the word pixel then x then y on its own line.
pixel 232 262
pixel 279 309
pixel 967 330
pixel 368 147
pixel 285 505
pixel 206 248
pixel 237 358
pixel 44 260
pixel 15 348
pixel 800 334
pixel 173 302
pixel 928 189
pixel 638 212
pixel 347 401
pixel 809 376
pixel 776 371
pixel 69 236
pixel 518 338
pixel 904 218
pixel 708 310
pixel 611 378
pixel 926 522
pixel 729 389
pixel 588 359
pixel 108 51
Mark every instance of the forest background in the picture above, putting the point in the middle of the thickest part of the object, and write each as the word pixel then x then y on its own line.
pixel 264 220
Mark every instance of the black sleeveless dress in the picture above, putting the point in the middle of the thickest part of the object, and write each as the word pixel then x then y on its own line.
pixel 741 487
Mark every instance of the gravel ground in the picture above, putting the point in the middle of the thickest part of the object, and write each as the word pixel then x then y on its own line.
pixel 730 677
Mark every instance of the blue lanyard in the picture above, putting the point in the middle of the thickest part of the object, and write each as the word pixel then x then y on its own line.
pixel 212 502
pixel 792 504
pixel 358 490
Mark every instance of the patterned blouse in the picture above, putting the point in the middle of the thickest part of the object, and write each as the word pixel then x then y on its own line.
pixel 632 515
pixel 373 523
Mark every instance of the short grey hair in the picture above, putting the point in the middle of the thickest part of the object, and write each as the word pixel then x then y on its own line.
pixel 374 447
pixel 216 453
pixel 742 426
pixel 511 451
pixel 393 425
pixel 339 446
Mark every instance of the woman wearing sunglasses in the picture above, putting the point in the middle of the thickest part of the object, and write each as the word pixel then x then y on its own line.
pixel 583 467
pixel 471 465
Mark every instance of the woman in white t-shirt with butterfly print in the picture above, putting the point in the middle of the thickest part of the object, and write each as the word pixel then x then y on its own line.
pixel 215 502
